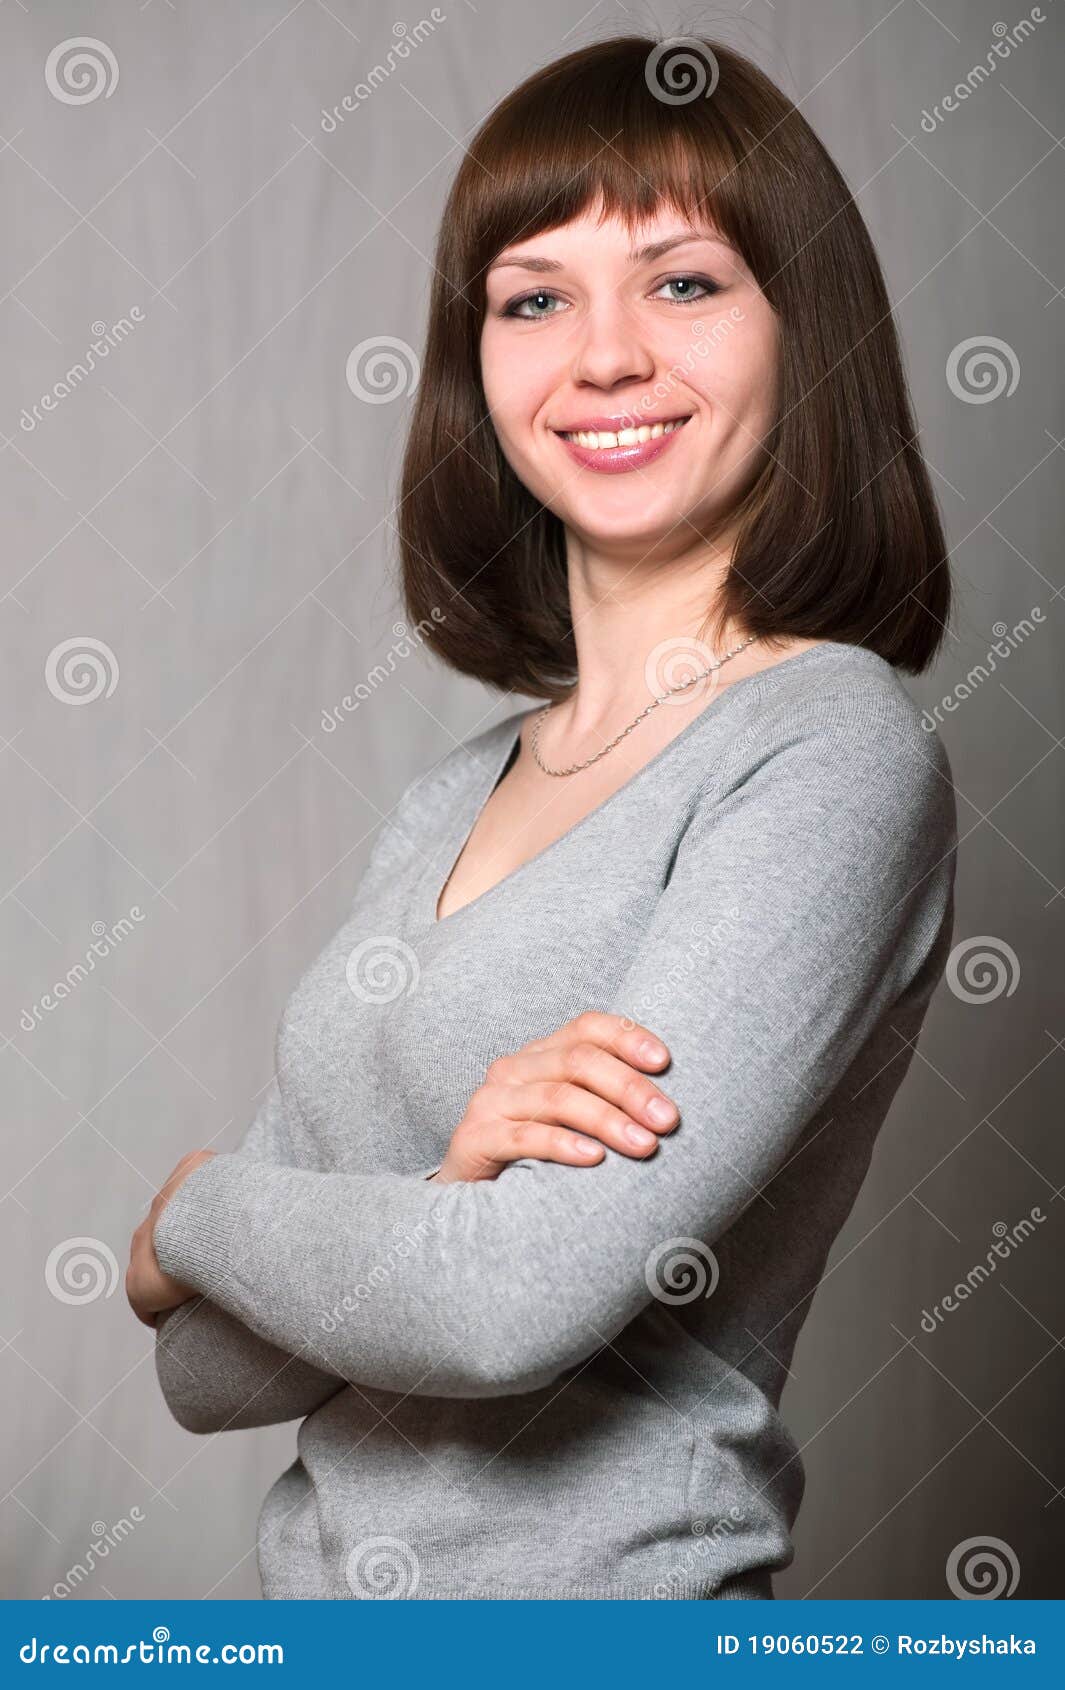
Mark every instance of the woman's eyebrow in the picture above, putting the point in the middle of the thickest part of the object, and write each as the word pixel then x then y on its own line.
pixel 520 262
pixel 657 249
pixel 641 255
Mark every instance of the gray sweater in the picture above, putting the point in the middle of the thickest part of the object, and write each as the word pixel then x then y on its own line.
pixel 565 1382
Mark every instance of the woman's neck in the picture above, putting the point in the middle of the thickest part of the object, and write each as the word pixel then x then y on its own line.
pixel 641 628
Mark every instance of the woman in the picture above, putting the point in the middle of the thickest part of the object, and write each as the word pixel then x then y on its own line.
pixel 568 1113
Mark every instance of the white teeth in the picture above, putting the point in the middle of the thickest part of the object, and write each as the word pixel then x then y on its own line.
pixel 595 441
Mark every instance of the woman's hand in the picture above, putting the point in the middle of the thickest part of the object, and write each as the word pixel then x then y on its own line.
pixel 546 1099
pixel 149 1290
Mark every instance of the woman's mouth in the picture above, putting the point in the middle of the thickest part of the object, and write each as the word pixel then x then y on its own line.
pixel 612 452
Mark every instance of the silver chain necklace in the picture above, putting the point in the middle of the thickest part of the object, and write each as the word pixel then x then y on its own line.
pixel 576 768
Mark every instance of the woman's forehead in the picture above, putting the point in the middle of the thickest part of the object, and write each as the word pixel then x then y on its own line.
pixel 640 238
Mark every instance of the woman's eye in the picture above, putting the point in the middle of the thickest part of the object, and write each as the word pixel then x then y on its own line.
pixel 541 301
pixel 690 288
pixel 684 290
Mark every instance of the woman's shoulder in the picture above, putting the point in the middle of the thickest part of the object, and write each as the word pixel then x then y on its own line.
pixel 413 824
pixel 846 692
pixel 431 794
pixel 842 731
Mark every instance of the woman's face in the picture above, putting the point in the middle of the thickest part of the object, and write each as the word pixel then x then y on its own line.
pixel 591 334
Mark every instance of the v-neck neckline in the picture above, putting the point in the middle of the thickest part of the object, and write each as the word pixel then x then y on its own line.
pixel 469 813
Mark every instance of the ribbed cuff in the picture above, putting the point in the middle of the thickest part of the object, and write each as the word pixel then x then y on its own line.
pixel 304 1583
pixel 754 1586
pixel 195 1232
pixel 199 1226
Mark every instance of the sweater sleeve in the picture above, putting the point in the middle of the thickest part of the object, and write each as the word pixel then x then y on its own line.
pixel 215 1373
pixel 801 907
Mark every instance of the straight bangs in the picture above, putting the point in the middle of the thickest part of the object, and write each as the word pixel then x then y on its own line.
pixel 555 162
pixel 838 536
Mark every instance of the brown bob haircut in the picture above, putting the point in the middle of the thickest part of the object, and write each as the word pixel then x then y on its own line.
pixel 839 536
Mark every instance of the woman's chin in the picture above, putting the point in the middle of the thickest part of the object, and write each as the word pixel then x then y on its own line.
pixel 627 520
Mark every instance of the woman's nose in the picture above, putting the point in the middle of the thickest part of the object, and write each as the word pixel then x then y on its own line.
pixel 609 349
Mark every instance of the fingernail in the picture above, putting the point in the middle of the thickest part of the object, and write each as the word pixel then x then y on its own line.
pixel 640 1137
pixel 652 1051
pixel 661 1110
pixel 587 1147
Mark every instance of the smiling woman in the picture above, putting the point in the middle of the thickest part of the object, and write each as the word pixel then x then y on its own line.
pixel 610 258
pixel 538 1308
pixel 620 321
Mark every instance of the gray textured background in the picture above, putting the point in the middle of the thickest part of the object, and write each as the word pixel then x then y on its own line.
pixel 213 504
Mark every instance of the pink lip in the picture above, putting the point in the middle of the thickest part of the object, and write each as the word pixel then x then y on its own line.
pixel 617 460
pixel 613 425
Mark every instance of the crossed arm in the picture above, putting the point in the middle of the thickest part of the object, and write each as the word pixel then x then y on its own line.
pixel 215 1373
pixel 787 931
